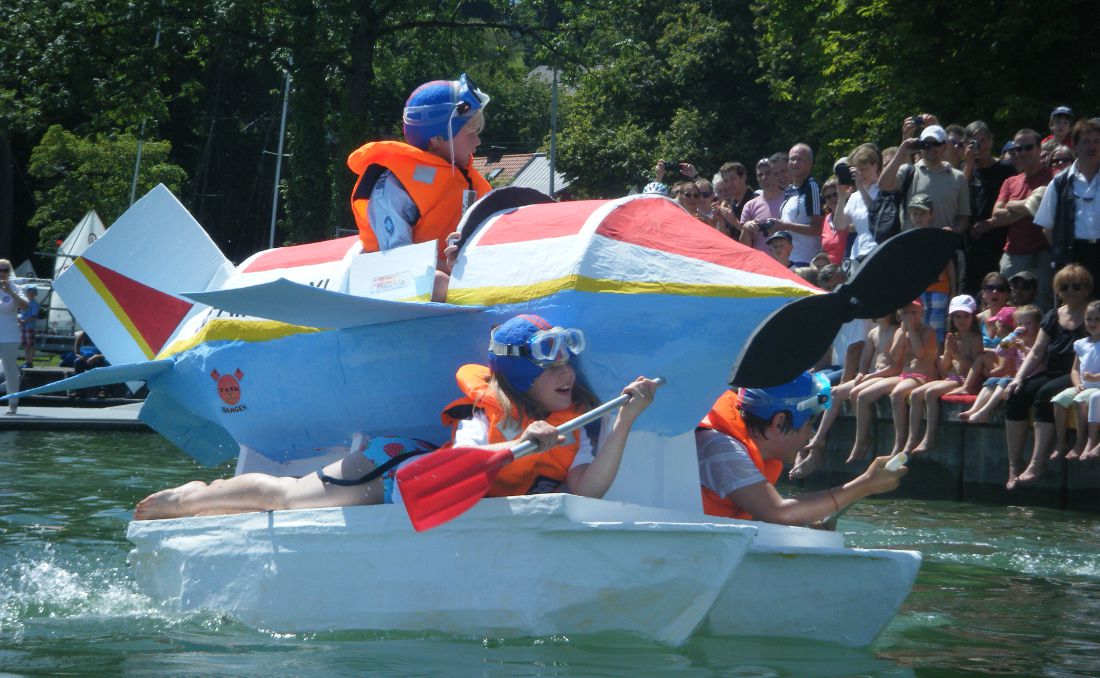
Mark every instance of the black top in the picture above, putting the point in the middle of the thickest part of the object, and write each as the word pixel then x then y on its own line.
pixel 1060 353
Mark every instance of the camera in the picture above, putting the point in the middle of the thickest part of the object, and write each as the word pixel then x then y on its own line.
pixel 973 143
pixel 767 226
pixel 922 145
pixel 671 165
pixel 843 173
pixel 918 120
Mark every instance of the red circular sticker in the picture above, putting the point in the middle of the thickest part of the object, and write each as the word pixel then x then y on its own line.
pixel 229 389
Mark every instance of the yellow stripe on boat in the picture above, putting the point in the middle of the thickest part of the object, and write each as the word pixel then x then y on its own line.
pixel 500 294
pixel 108 298
pixel 235 329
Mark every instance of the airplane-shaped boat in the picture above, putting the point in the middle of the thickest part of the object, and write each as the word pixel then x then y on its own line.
pixel 281 360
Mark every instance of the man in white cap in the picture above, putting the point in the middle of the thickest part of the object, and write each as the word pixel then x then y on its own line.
pixel 931 175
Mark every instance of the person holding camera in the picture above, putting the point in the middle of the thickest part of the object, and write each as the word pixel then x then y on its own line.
pixel 986 176
pixel 931 175
pixel 857 185
pixel 758 216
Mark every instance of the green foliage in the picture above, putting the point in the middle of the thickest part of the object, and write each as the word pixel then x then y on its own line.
pixel 93 172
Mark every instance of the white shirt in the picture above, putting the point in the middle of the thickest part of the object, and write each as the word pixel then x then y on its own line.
pixel 9 315
pixel 851 332
pixel 1086 221
pixel 1088 353
pixel 859 215
pixel 724 463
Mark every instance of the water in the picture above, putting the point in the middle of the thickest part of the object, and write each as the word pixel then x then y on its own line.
pixel 1003 590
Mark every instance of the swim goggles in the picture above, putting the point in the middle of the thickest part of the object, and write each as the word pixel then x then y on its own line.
pixel 545 348
pixel 820 401
pixel 466 98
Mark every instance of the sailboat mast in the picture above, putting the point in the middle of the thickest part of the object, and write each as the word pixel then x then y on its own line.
pixel 141 134
pixel 279 160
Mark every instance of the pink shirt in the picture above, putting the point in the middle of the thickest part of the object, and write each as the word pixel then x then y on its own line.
pixel 759 209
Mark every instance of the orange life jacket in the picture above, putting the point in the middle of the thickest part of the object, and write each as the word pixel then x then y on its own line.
pixel 530 474
pixel 724 417
pixel 433 184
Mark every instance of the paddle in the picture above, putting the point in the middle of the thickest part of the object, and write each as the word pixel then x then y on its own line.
pixel 793 337
pixel 444 484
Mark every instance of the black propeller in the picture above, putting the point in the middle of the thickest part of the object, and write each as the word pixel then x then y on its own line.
pixel 497 200
pixel 792 338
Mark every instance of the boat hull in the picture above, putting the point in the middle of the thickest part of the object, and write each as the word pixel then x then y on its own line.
pixel 837 595
pixel 510 567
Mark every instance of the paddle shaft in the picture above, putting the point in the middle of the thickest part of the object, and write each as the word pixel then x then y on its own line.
pixel 529 446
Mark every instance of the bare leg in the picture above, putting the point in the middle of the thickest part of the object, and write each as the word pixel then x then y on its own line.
pixel 932 395
pixel 1015 436
pixel 901 412
pixel 917 406
pixel 865 398
pixel 1061 424
pixel 1092 451
pixel 261 492
pixel 813 455
pixel 439 287
pixel 1044 436
pixel 995 399
pixel 1079 444
pixel 979 402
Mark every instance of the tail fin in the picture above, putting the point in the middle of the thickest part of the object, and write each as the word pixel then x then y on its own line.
pixel 124 290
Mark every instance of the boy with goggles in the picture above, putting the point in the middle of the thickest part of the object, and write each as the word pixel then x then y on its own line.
pixel 416 191
pixel 747 437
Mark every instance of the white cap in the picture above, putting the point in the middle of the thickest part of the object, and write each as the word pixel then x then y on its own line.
pixel 963 302
pixel 934 132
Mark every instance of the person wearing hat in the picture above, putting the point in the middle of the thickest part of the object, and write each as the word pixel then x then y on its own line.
pixel 1061 124
pixel 780 245
pixel 936 296
pixel 416 191
pixel 1024 288
pixel 528 387
pixel 932 175
pixel 749 434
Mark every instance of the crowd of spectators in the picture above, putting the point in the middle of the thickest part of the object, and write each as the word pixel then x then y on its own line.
pixel 1007 324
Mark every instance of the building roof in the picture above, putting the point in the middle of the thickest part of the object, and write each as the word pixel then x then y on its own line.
pixel 504 170
pixel 537 175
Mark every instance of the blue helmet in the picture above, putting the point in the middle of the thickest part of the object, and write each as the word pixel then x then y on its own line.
pixel 804 397
pixel 440 108
pixel 520 349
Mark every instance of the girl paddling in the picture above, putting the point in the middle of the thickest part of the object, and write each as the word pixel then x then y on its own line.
pixel 528 387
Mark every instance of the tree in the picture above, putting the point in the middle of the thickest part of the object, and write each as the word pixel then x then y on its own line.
pixel 92 172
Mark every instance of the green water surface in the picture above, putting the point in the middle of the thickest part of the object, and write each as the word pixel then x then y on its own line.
pixel 1003 590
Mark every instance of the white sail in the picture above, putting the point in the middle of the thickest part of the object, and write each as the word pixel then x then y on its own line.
pixel 86 232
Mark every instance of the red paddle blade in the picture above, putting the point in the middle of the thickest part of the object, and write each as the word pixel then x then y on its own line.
pixel 443 485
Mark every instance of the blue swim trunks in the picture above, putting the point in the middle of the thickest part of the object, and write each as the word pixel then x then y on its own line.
pixel 381 450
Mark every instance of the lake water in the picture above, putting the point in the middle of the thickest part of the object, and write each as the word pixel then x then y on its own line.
pixel 1003 590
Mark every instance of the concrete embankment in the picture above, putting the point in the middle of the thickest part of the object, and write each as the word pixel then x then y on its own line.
pixel 969 463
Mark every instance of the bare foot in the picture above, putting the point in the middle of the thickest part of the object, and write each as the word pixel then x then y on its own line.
pixel 813 459
pixel 979 417
pixel 1072 455
pixel 1090 454
pixel 965 416
pixel 1030 475
pixel 1058 453
pixel 859 451
pixel 166 503
pixel 1012 480
pixel 921 449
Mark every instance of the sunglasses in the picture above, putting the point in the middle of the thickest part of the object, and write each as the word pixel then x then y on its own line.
pixel 706 195
pixel 1061 161
pixel 1066 287
pixel 691 195
pixel 995 288
pixel 5 270
pixel 958 144
pixel 1023 148
pixel 933 144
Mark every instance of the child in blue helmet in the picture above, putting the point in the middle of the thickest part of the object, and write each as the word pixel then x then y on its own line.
pixel 416 191
pixel 528 389
pixel 747 437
